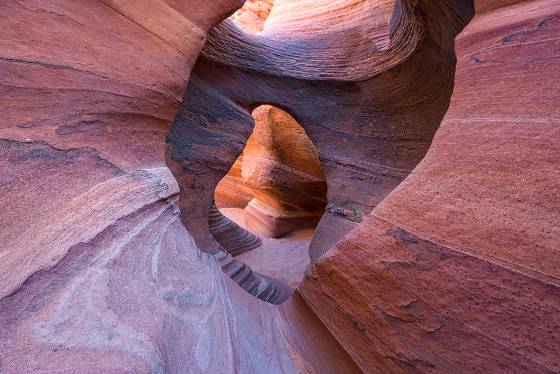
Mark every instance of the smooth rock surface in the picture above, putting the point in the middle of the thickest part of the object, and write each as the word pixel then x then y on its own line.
pixel 457 270
pixel 252 15
pixel 97 271
pixel 281 166
pixel 432 256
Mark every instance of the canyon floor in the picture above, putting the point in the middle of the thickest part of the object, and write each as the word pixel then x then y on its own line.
pixel 284 258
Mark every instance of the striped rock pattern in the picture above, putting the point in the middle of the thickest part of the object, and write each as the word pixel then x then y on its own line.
pixel 458 269
pixel 233 238
pixel 282 168
pixel 97 272
pixel 107 263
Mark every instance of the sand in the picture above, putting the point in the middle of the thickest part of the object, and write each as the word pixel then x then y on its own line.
pixel 285 258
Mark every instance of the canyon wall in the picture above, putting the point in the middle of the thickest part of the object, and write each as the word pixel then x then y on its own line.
pixel 474 226
pixel 358 114
pixel 438 137
pixel 457 270
pixel 97 272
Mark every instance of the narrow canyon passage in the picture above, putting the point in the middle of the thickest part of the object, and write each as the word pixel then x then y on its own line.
pixel 277 192
pixel 279 186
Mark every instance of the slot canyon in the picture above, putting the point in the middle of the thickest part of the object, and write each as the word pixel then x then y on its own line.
pixel 280 186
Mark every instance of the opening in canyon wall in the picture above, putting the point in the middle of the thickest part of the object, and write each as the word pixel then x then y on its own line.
pixel 252 15
pixel 272 198
pixel 120 250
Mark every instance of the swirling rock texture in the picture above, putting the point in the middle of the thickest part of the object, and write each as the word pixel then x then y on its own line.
pixel 282 171
pixel 105 265
pixel 97 272
pixel 458 269
pixel 232 237
pixel 449 272
pixel 401 72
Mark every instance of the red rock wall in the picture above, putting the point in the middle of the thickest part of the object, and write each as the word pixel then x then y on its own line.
pixel 344 109
pixel 93 78
pixel 456 270
pixel 97 273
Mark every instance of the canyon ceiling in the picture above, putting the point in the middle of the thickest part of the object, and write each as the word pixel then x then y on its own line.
pixel 421 137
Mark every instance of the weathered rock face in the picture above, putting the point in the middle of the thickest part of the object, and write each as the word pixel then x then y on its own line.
pixel 421 269
pixel 104 263
pixel 282 171
pixel 70 114
pixel 457 270
pixel 97 272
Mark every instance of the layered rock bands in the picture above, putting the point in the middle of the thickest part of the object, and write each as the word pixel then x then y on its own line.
pixel 436 124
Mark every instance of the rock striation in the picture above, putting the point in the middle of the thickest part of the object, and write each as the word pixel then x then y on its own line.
pixel 457 270
pixel 438 135
pixel 234 239
pixel 396 301
pixel 97 271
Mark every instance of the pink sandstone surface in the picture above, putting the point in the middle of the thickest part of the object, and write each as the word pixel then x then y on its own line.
pixel 436 124
pixel 97 272
pixel 458 269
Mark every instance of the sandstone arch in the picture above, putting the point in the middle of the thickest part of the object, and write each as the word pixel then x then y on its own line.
pixel 453 268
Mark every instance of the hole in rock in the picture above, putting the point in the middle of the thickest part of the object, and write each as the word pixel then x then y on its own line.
pixel 272 198
pixel 252 15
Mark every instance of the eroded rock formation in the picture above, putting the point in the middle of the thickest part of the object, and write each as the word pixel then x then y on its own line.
pixel 107 261
pixel 457 270
pixel 97 272
pixel 359 114
pixel 232 192
pixel 281 166
pixel 278 179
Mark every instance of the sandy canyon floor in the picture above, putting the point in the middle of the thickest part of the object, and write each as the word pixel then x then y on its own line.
pixel 285 258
